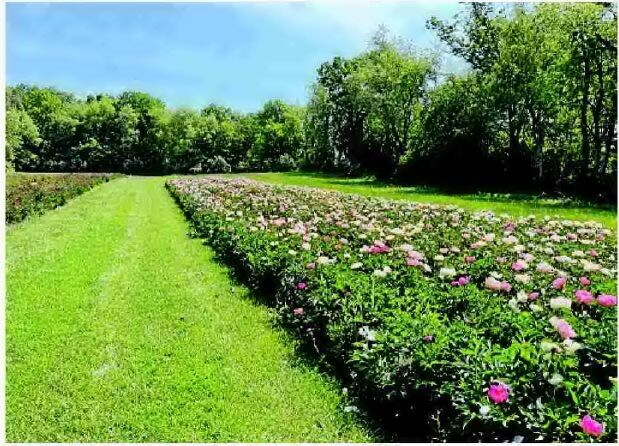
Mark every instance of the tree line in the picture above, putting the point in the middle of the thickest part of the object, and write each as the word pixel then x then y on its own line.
pixel 536 110
pixel 134 132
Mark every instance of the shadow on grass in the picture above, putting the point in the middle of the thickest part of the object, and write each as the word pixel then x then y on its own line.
pixel 407 420
pixel 541 201
pixel 305 356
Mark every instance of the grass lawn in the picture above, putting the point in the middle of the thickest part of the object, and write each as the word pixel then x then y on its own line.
pixel 121 328
pixel 513 204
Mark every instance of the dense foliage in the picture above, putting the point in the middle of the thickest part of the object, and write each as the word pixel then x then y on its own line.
pixel 28 194
pixel 535 110
pixel 49 130
pixel 460 325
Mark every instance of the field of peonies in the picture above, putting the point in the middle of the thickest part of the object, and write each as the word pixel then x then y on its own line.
pixel 34 194
pixel 446 324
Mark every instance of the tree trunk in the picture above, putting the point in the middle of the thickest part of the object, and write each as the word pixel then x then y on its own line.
pixel 539 145
pixel 586 149
pixel 597 114
pixel 608 150
pixel 513 140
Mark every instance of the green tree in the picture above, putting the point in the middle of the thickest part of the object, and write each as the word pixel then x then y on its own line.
pixel 22 136
pixel 278 138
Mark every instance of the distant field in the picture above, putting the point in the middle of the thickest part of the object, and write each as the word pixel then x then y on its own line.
pixel 513 204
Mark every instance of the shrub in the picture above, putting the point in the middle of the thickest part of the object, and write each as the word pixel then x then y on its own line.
pixel 450 324
pixel 218 165
pixel 286 163
pixel 33 194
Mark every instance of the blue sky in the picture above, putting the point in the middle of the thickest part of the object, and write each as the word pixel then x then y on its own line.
pixel 238 54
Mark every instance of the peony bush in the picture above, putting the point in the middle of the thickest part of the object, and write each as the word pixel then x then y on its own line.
pixel 34 194
pixel 448 324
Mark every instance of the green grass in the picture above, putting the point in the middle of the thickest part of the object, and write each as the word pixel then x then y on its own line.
pixel 120 328
pixel 513 204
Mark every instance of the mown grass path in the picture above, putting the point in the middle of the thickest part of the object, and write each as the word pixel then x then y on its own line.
pixel 122 328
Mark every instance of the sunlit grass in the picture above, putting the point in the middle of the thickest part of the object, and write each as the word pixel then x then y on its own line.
pixel 121 328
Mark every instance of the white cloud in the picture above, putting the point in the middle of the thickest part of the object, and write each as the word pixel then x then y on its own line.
pixel 356 21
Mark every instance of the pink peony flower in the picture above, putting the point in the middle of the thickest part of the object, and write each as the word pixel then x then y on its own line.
pixel 301 285
pixel 591 427
pixel 469 259
pixel 311 265
pixel 412 262
pixel 378 248
pixel 565 330
pixel 298 311
pixel 463 280
pixel 593 253
pixel 519 265
pixel 534 295
pixel 544 268
pixel 498 393
pixel 414 255
pixel 584 297
pixel 559 283
pixel 584 281
pixel 505 286
pixel 428 338
pixel 606 300
pixel 492 284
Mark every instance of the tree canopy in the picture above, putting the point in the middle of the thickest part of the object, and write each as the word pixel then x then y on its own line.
pixel 537 109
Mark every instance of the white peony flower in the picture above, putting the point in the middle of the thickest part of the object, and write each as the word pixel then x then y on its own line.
pixel 560 302
pixel 447 273
pixel 590 266
pixel 544 268
pixel 488 237
pixel 322 260
pixel 510 240
pixel 556 379
pixel 535 308
pixel 522 296
pixel 522 278
pixel 571 346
